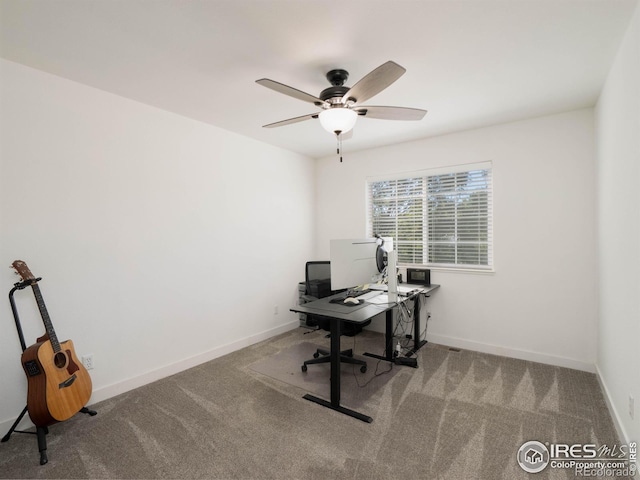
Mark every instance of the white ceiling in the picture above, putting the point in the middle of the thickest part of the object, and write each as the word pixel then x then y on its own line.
pixel 469 63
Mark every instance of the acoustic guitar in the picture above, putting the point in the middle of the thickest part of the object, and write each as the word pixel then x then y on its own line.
pixel 58 384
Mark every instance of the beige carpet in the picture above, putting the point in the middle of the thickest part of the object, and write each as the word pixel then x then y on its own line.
pixel 460 415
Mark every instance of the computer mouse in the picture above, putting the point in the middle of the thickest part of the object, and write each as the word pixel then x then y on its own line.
pixel 352 300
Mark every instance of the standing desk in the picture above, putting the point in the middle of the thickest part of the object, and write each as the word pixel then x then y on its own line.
pixel 337 314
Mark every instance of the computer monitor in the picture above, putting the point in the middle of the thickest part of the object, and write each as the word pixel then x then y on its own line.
pixel 353 261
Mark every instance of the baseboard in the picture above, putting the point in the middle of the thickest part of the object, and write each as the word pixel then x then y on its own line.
pixel 512 353
pixel 108 391
pixel 622 434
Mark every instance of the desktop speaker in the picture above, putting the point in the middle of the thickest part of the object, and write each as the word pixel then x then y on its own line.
pixel 418 276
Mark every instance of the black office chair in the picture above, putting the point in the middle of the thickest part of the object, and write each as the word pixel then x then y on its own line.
pixel 318 285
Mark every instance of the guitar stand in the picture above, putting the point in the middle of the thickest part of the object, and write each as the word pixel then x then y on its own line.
pixel 41 432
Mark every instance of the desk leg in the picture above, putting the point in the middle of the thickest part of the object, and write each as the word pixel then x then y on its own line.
pixel 335 363
pixel 417 343
pixel 335 379
pixel 388 339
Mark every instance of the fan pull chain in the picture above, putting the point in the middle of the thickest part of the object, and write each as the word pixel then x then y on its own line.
pixel 339 147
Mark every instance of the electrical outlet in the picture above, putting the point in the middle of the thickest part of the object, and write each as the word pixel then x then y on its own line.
pixel 87 361
pixel 631 407
pixel 275 309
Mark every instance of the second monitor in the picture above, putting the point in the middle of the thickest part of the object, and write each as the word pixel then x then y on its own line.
pixel 353 261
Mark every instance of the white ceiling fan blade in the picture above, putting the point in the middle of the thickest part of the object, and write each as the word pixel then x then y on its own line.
pixel 391 113
pixel 374 82
pixel 289 121
pixel 290 91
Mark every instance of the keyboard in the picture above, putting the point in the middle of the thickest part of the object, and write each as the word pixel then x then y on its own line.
pixel 354 294
pixel 357 293
pixel 369 295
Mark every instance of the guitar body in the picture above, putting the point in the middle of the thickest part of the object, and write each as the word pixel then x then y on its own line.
pixel 58 384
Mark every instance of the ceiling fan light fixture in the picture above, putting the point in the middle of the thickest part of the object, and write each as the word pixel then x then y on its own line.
pixel 338 120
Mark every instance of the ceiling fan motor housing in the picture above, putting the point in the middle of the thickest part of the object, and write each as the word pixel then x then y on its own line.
pixel 333 94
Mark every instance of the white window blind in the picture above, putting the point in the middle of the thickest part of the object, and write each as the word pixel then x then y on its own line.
pixel 436 219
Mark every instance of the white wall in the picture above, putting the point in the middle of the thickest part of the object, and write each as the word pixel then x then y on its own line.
pixel 162 241
pixel 541 302
pixel 618 142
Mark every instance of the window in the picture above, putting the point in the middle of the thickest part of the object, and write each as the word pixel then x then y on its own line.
pixel 437 218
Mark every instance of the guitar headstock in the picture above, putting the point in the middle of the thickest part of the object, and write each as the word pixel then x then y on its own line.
pixel 22 270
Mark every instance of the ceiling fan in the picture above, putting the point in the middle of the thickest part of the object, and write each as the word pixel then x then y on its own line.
pixel 341 105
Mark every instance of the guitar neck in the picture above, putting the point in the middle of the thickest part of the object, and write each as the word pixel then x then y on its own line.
pixel 48 326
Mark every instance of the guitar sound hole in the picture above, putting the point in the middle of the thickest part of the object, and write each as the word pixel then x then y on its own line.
pixel 60 360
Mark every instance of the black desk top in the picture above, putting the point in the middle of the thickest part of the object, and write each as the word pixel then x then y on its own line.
pixel 356 313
